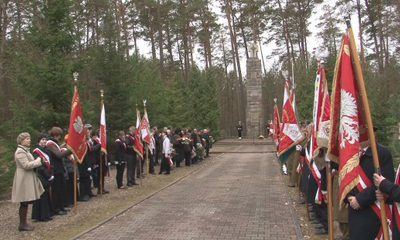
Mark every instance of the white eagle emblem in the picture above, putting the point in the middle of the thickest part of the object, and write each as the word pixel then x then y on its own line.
pixel 78 124
pixel 348 129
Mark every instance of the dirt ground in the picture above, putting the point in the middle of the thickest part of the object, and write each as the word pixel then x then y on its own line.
pixel 307 228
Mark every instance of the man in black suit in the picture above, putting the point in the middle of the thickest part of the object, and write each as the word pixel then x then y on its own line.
pixel 131 157
pixel 364 223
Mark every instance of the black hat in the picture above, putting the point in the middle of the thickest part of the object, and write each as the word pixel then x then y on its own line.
pixel 41 136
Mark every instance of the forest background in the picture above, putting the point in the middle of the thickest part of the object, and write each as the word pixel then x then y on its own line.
pixel 192 76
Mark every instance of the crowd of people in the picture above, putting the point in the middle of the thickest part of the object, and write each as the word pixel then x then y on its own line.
pixel 357 219
pixel 45 177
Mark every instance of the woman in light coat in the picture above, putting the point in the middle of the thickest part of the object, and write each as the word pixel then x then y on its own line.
pixel 27 186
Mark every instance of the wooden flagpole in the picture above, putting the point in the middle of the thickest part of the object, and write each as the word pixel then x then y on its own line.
pixel 75 204
pixel 370 129
pixel 75 76
pixel 100 155
pixel 330 197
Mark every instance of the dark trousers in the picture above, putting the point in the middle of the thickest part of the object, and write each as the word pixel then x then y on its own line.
pixel 165 165
pixel 140 166
pixel 130 168
pixel 207 150
pixel 151 163
pixel 96 177
pixel 156 156
pixel 84 186
pixel 187 158
pixel 120 174
pixel 69 193
pixel 101 177
pixel 322 213
pixel 240 133
pixel 58 192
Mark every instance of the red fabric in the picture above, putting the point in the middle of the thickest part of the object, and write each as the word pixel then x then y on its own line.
pixel 76 132
pixel 102 135
pixel 289 133
pixel 145 128
pixel 137 144
pixel 347 123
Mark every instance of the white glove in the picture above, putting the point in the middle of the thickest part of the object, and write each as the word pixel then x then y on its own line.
pixel 298 148
pixel 109 164
pixel 95 166
pixel 51 179
pixel 89 169
pixel 115 162
pixel 325 193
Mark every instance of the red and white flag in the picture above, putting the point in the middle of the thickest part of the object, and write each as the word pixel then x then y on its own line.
pixel 137 143
pixel 290 134
pixel 76 132
pixel 145 128
pixel 348 133
pixel 103 129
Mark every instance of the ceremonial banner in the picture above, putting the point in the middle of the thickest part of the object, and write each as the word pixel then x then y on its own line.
pixel 76 132
pixel 290 134
pixel 103 138
pixel 137 143
pixel 348 133
pixel 145 128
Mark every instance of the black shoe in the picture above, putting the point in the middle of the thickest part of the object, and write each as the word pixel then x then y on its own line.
pixel 315 221
pixel 92 195
pixel 167 173
pixel 321 231
pixel 129 184
pixel 135 183
pixel 301 201
pixel 291 185
pixel 318 226
pixel 160 173
pixel 66 209
pixel 60 213
pixel 84 199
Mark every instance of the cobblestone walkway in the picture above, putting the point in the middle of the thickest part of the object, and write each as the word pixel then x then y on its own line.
pixel 236 196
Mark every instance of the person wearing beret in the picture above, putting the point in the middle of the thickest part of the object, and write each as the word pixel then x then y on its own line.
pixel 26 186
pixel 42 209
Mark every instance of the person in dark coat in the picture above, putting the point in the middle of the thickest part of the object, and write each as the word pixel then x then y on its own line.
pixel 205 135
pixel 178 146
pixel 187 147
pixel 59 182
pixel 364 224
pixel 86 167
pixel 69 163
pixel 131 157
pixel 158 145
pixel 42 209
pixel 104 163
pixel 120 158
pixel 239 128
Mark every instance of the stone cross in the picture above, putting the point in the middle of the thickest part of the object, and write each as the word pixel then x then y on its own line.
pixel 253 50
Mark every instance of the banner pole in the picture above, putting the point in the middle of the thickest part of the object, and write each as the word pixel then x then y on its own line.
pixel 370 129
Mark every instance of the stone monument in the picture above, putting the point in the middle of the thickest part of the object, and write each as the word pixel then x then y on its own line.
pixel 254 107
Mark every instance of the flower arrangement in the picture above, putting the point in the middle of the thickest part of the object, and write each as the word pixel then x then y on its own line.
pixel 186 140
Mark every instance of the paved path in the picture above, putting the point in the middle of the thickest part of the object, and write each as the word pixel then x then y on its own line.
pixel 236 196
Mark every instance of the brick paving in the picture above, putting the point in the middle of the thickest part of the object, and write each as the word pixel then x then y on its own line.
pixel 235 196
